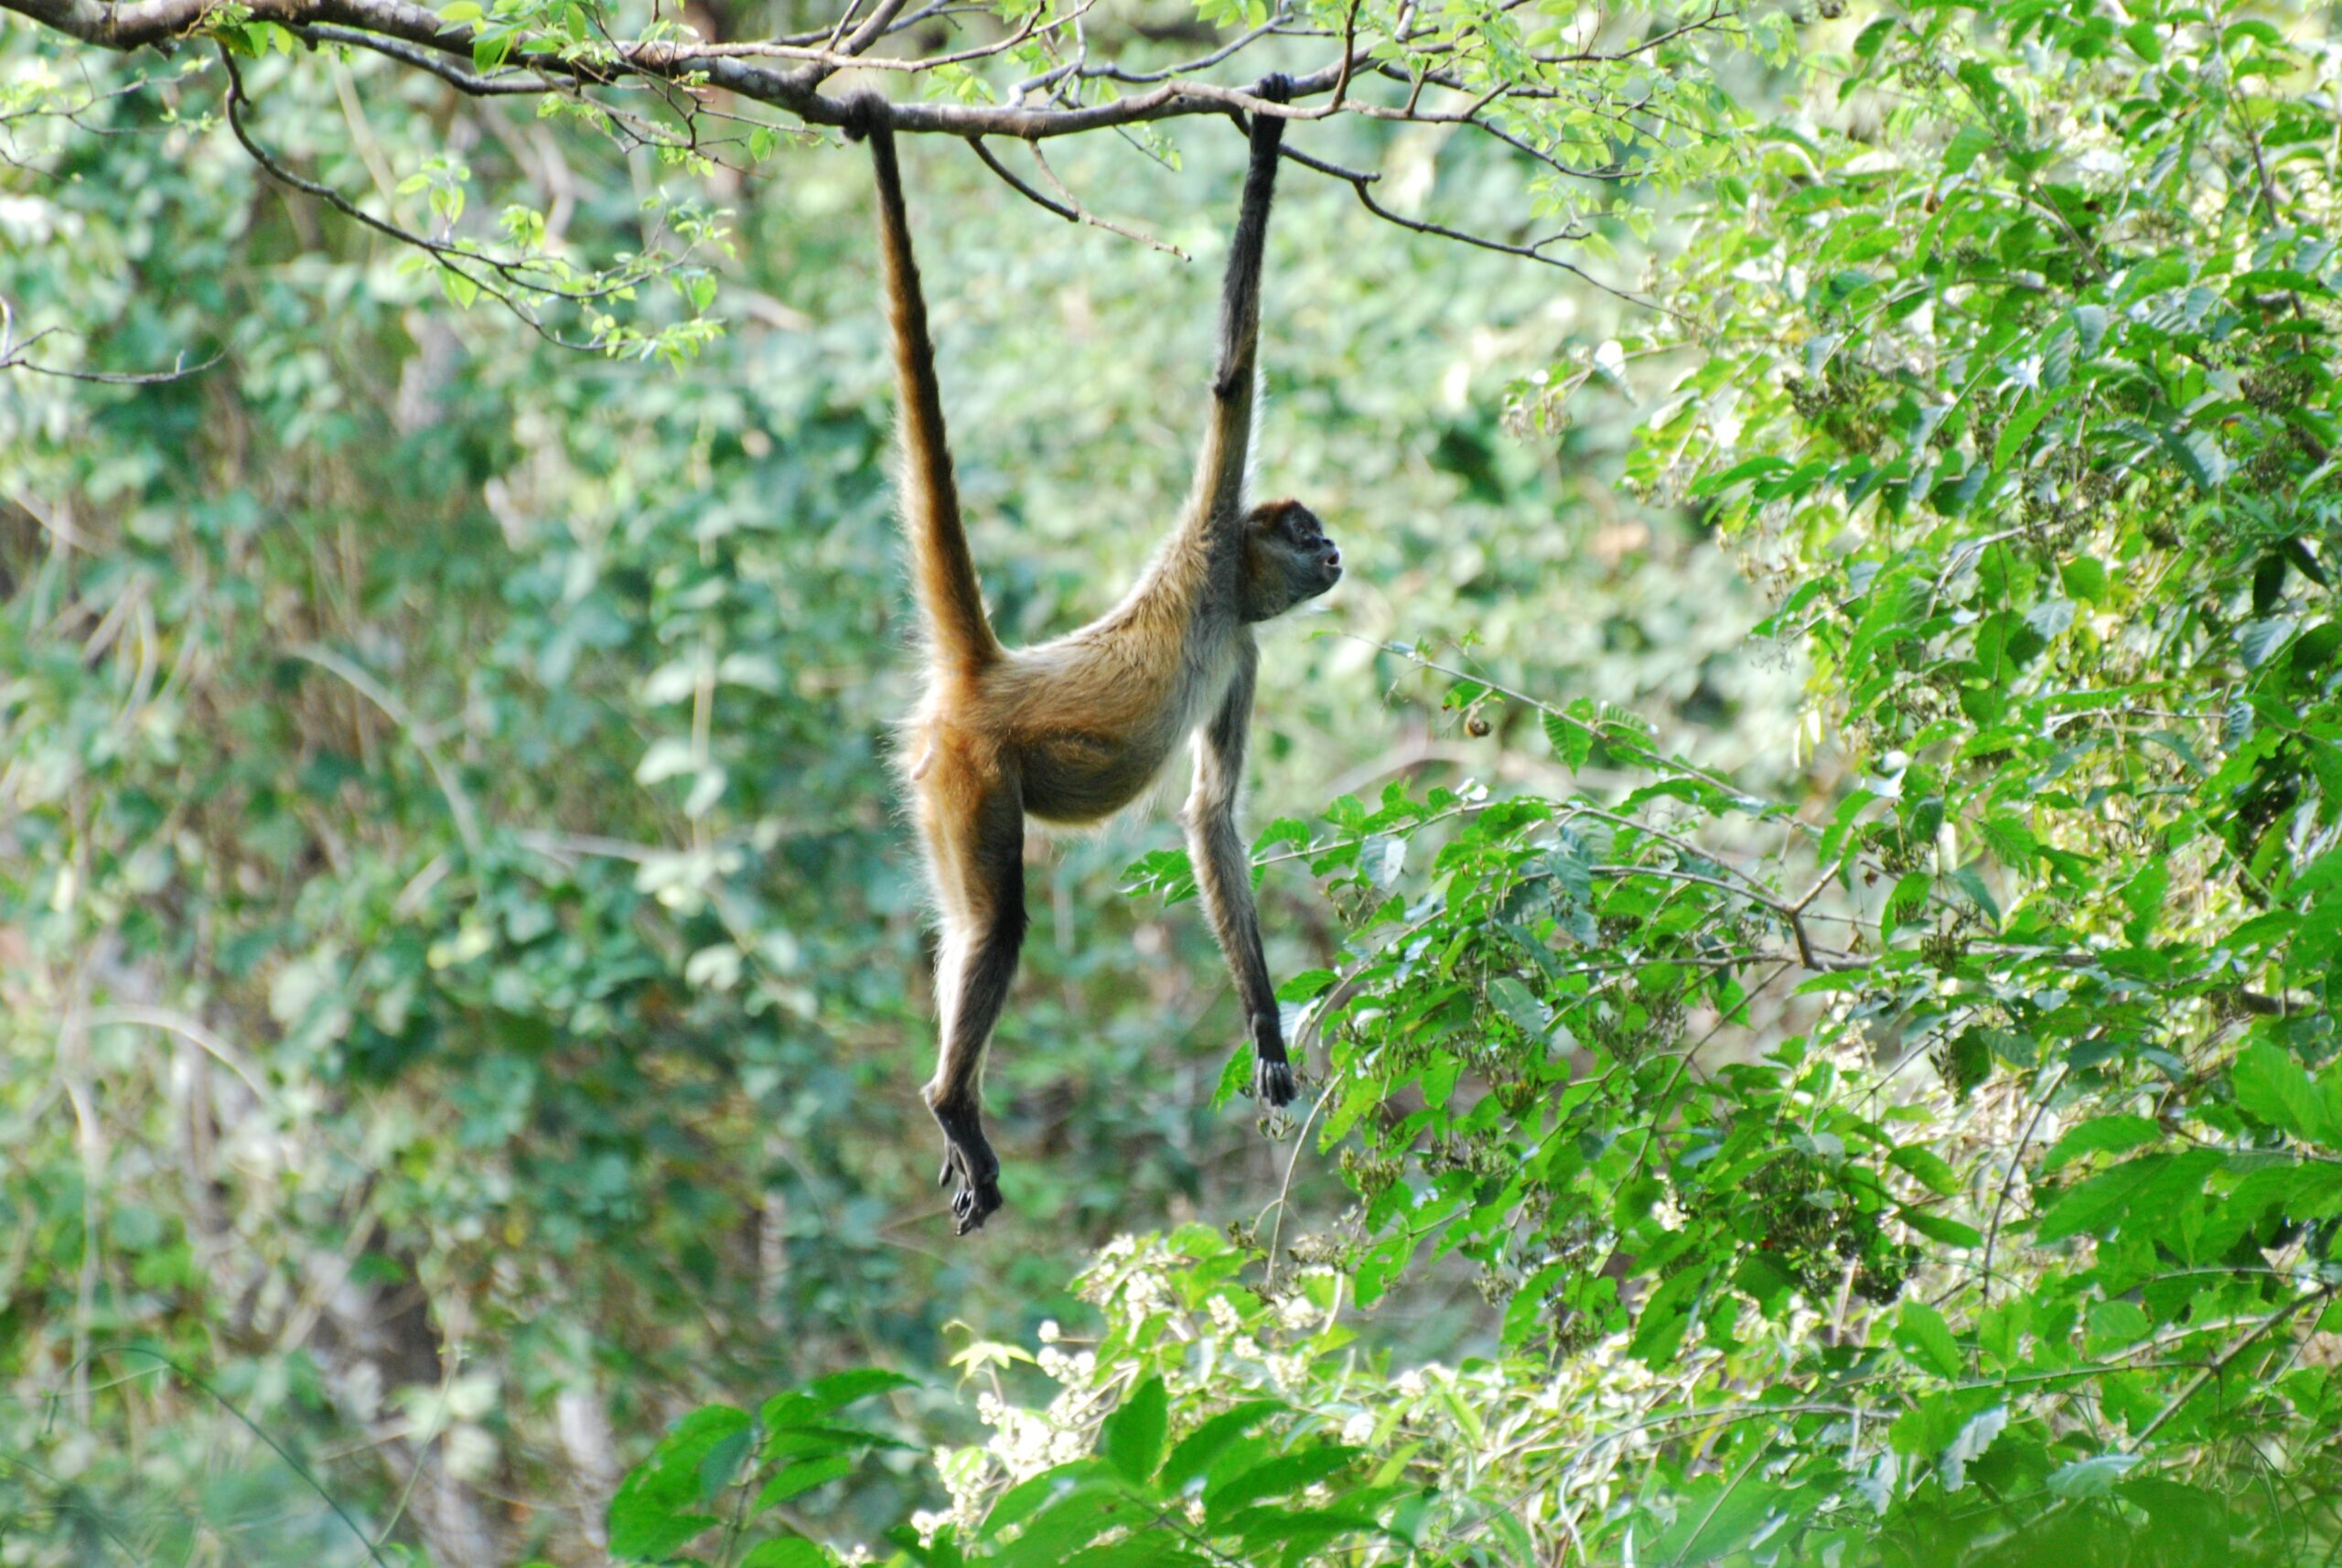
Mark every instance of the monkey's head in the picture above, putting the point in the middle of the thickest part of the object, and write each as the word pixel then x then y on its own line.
pixel 1287 559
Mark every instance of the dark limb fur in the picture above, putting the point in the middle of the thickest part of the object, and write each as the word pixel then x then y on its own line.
pixel 1224 875
pixel 1219 470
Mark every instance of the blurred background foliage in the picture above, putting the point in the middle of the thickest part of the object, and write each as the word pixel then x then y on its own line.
pixel 461 952
pixel 462 970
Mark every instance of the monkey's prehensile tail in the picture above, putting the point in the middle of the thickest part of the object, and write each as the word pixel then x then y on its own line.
pixel 943 575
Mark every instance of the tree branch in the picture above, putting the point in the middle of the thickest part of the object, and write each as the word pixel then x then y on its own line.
pixel 788 74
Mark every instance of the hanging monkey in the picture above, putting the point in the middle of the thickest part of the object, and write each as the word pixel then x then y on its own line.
pixel 1073 730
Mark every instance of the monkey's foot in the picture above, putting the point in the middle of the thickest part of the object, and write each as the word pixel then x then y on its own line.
pixel 973 1175
pixel 1272 1081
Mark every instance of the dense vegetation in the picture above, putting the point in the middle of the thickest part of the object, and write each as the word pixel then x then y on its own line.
pixel 1806 856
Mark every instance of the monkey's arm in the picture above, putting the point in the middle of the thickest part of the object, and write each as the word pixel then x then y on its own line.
pixel 1224 872
pixel 1219 470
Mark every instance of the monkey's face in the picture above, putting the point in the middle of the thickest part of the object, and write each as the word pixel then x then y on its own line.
pixel 1287 559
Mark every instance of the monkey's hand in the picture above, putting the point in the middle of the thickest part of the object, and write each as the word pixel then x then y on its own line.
pixel 970 1170
pixel 865 109
pixel 973 1175
pixel 1272 1082
pixel 1276 87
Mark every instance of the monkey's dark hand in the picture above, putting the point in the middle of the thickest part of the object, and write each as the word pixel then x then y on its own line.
pixel 969 1169
pixel 1276 88
pixel 864 110
pixel 1272 1082
pixel 973 1175
pixel 1272 1069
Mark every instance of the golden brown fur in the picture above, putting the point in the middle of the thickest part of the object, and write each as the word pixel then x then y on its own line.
pixel 1073 730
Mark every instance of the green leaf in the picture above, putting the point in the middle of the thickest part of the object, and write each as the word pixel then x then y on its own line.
pixel 786 1552
pixel 2011 841
pixel 1035 1494
pixel 1972 885
pixel 2115 1325
pixel 2092 1477
pixel 1750 469
pixel 2050 618
pixel 1307 985
pixel 1920 1333
pixel 1570 739
pixel 1276 1477
pixel 2097 1204
pixel 2090 327
pixel 658 1507
pixel 840 1389
pixel 2262 639
pixel 1975 1436
pixel 2014 434
pixel 1664 1319
pixel 1520 1005
pixel 1970 142
pixel 2274 1086
pixel 1196 1451
pixel 2101 1134
pixel 488 50
pixel 803 1477
pixel 1936 1228
pixel 1715 1517
pixel 1132 1438
pixel 2198 454
pixel 1083 1512
pixel 1932 1169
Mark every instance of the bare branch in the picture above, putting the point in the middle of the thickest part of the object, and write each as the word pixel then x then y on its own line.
pixel 515 85
pixel 13 358
pixel 660 57
pixel 1534 251
pixel 1071 208
pixel 1009 177
pixel 1097 222
pixel 1185 68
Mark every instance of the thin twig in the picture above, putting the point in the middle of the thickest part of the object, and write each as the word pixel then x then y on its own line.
pixel 1010 177
pixel 12 357
pixel 1093 219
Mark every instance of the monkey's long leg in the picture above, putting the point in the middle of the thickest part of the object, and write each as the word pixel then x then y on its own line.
pixel 976 843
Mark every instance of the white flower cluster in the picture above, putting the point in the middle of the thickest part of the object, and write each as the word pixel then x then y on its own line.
pixel 1073 1369
pixel 966 1474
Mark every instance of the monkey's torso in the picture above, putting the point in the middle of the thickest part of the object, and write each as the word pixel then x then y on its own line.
pixel 1087 722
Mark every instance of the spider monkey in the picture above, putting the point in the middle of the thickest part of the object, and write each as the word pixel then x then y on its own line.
pixel 1070 731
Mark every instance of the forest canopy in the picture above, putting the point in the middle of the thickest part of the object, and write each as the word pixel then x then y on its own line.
pixel 1803 857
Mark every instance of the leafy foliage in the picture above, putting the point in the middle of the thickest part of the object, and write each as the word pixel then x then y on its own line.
pixel 443 819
